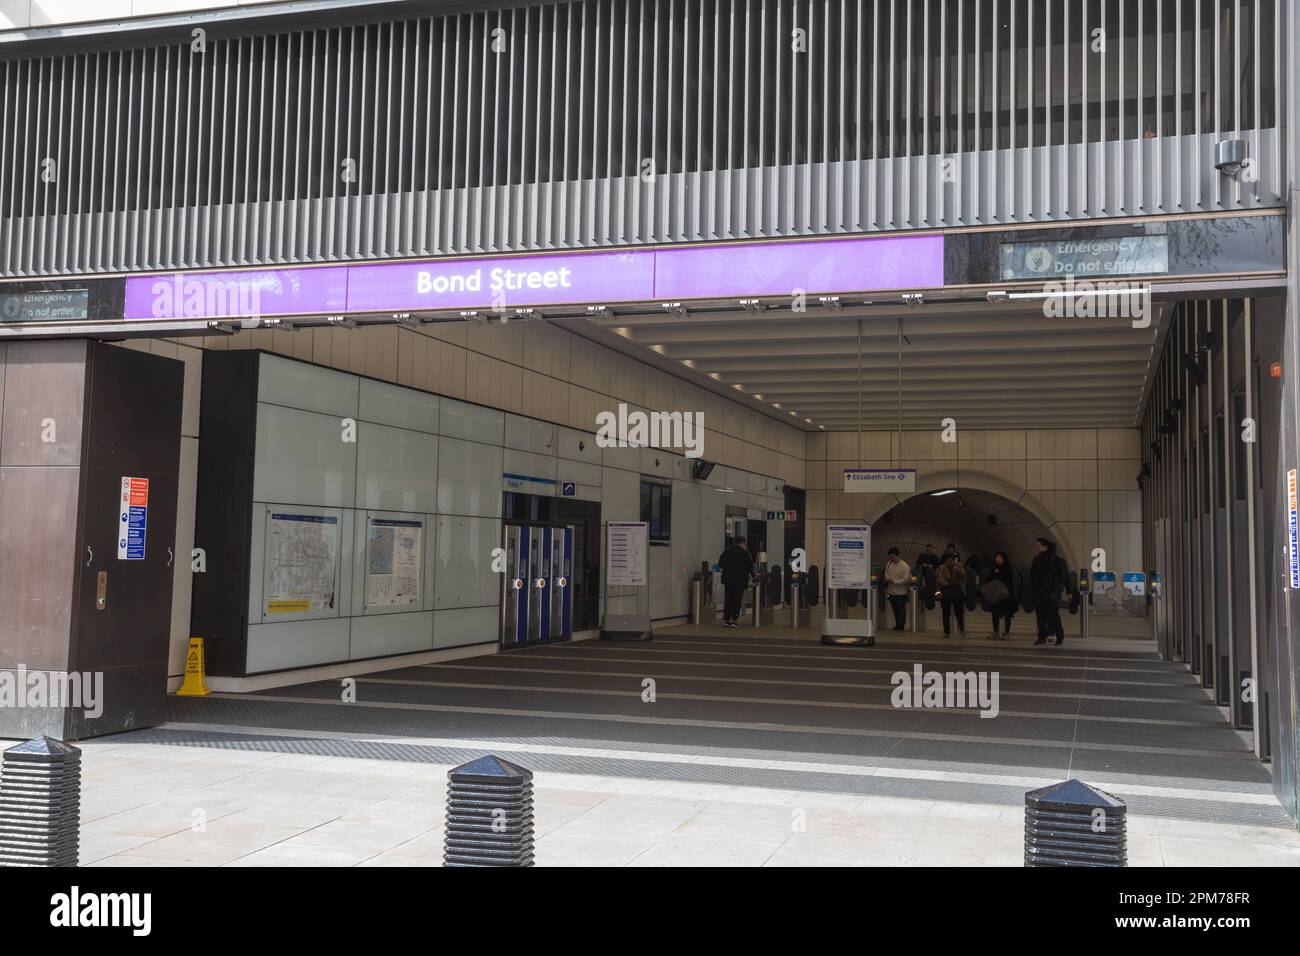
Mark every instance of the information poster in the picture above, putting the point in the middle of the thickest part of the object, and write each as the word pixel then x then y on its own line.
pixel 302 563
pixel 394 562
pixel 848 556
pixel 1292 529
pixel 625 558
pixel 133 519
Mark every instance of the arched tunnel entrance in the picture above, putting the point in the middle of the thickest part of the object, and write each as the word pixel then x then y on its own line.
pixel 979 523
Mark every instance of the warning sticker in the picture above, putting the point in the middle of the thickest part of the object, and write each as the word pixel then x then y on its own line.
pixel 132 519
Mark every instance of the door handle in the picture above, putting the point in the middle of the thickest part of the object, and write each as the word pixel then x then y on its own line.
pixel 170 556
pixel 90 555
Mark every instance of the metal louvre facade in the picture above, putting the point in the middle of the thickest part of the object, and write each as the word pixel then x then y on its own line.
pixel 623 122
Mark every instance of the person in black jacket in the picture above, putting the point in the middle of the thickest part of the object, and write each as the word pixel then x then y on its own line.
pixel 1047 581
pixel 1003 611
pixel 737 568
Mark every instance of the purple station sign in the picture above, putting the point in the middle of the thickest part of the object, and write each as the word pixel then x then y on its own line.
pixel 731 271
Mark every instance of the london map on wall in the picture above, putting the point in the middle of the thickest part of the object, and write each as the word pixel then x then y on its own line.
pixel 302 563
pixel 394 562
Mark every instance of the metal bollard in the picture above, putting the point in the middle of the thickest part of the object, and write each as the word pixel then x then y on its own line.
pixel 796 602
pixel 697 601
pixel 757 606
pixel 1073 824
pixel 40 804
pixel 489 814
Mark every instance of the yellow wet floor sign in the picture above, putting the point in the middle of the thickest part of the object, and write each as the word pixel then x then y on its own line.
pixel 194 684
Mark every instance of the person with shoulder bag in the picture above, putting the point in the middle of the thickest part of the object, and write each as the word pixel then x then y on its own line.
pixel 951 579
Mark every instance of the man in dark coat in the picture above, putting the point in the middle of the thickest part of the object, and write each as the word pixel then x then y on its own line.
pixel 1047 581
pixel 737 568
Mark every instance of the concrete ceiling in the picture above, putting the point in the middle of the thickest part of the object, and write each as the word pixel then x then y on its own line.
pixel 987 365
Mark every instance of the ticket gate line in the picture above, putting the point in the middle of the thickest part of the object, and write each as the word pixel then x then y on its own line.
pixel 536 591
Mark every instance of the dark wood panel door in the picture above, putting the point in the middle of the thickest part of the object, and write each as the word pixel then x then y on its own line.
pixel 132 463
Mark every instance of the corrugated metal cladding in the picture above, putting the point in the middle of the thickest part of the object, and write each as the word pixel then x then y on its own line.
pixel 631 121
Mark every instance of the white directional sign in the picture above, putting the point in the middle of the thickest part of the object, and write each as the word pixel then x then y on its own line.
pixel 876 481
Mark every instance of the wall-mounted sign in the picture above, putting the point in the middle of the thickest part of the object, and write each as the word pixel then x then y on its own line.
pixel 880 480
pixel 726 271
pixel 1292 528
pixel 70 306
pixel 1086 258
pixel 301 562
pixel 133 519
pixel 394 562
pixel 1102 581
pixel 568 489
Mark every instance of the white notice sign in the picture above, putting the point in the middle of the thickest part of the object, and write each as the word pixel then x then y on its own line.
pixel 394 562
pixel 625 553
pixel 876 481
pixel 848 556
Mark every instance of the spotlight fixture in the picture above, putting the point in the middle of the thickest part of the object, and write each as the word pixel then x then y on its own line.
pixel 752 305
pixel 599 312
pixel 278 325
pixel 829 301
pixel 675 308
pixel 473 315
pixel 1230 155
pixel 340 322
pixel 997 295
pixel 914 299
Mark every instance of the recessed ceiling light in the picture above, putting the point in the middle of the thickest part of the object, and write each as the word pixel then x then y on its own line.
pixel 940 494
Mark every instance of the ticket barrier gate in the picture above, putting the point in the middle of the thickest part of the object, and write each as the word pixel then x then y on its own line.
pixel 916 604
pixel 760 615
pixel 537 593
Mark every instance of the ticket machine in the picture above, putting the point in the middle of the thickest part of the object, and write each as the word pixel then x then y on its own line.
pixel 536 590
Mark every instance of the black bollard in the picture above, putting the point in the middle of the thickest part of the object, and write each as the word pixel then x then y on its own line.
pixel 40 804
pixel 1073 824
pixel 489 814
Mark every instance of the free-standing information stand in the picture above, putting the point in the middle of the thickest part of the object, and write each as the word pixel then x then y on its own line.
pixel 627 560
pixel 848 567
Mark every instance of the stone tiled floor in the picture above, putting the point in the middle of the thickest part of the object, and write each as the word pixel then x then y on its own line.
pixel 160 805
pixel 763 748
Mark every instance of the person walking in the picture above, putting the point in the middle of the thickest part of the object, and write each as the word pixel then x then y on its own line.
pixel 1003 608
pixel 951 579
pixel 737 568
pixel 898 579
pixel 1047 581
